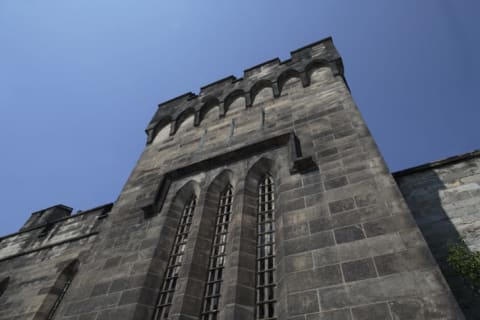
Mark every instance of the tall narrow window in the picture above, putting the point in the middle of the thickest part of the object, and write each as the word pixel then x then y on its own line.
pixel 175 261
pixel 217 257
pixel 66 285
pixel 265 282
pixel 60 288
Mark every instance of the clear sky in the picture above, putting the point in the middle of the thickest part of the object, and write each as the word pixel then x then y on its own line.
pixel 80 80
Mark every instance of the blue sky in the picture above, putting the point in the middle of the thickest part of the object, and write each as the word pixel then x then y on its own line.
pixel 79 80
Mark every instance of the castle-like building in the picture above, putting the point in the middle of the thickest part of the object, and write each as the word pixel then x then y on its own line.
pixel 263 197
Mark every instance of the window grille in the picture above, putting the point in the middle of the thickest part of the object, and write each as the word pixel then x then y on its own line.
pixel 265 284
pixel 217 257
pixel 67 284
pixel 174 262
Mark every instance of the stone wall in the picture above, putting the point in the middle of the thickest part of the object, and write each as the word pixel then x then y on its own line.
pixel 33 259
pixel 347 244
pixel 444 197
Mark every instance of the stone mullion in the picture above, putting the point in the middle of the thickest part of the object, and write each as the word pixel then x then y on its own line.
pixel 238 289
pixel 165 221
pixel 281 289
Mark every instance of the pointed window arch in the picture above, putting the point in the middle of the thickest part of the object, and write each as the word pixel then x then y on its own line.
pixel 61 287
pixel 265 269
pixel 211 298
pixel 175 261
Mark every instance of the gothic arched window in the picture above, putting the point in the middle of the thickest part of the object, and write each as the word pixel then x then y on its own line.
pixel 175 261
pixel 61 286
pixel 217 257
pixel 265 270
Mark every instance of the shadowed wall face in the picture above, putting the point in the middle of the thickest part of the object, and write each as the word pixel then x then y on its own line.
pixel 444 198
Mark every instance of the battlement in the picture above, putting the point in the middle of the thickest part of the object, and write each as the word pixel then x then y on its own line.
pixel 51 227
pixel 209 88
pixel 46 216
pixel 58 213
pixel 264 67
pixel 272 73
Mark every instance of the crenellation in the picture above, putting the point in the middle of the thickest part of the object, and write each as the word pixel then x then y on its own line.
pixel 272 73
pixel 48 215
pixel 167 110
pixel 216 88
pixel 47 233
pixel 261 70
pixel 320 45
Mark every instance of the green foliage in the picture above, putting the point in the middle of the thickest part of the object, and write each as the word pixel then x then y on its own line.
pixel 465 262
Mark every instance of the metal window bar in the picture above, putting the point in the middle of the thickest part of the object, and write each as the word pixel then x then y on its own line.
pixel 67 284
pixel 265 273
pixel 217 257
pixel 175 260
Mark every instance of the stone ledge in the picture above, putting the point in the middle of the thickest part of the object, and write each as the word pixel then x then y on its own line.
pixel 107 206
pixel 438 163
pixel 298 163
pixel 48 246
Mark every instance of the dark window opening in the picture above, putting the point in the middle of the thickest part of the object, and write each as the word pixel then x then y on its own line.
pixel 265 268
pixel 174 262
pixel 211 297
pixel 61 286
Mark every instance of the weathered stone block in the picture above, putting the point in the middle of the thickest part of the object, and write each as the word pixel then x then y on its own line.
pixel 315 278
pixel 358 249
pixel 294 263
pixel 358 270
pixel 100 289
pixel 302 244
pixel 302 303
pixel 388 225
pixel 335 183
pixel 411 259
pixel 341 205
pixel 343 314
pixel 349 234
pixel 378 311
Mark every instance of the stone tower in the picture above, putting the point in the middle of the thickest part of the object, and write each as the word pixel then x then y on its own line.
pixel 263 197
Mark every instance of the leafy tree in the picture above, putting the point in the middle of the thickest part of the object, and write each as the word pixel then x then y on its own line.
pixel 466 263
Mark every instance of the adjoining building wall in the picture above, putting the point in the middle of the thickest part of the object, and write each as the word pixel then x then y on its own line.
pixel 444 197
pixel 346 244
pixel 34 259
